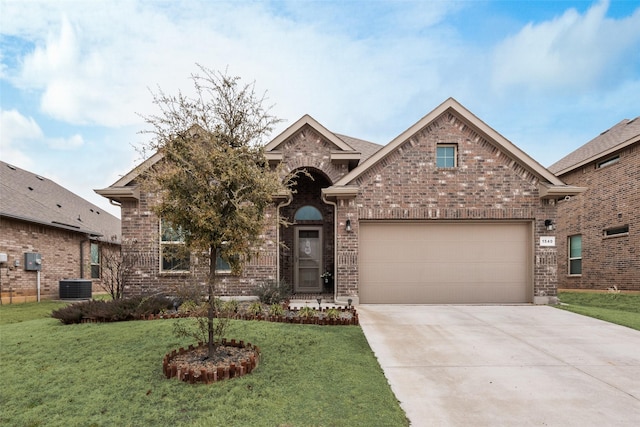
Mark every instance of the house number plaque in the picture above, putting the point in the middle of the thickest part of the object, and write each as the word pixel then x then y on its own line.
pixel 547 240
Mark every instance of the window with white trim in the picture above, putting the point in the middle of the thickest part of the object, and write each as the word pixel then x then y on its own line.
pixel 174 256
pixel 95 260
pixel 446 155
pixel 575 254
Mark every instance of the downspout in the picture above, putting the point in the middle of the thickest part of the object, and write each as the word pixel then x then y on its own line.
pixel 82 258
pixel 335 247
pixel 280 205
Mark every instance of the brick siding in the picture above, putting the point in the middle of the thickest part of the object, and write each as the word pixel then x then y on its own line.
pixel 485 185
pixel 61 254
pixel 612 200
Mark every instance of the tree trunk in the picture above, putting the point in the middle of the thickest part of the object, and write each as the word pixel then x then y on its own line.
pixel 211 285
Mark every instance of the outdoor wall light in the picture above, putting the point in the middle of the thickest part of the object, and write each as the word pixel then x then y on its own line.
pixel 348 226
pixel 349 301
pixel 549 224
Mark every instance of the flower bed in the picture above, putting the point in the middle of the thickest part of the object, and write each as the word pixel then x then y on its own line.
pixel 344 316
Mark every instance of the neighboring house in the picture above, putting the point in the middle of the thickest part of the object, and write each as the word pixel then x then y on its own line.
pixel 448 212
pixel 599 239
pixel 41 220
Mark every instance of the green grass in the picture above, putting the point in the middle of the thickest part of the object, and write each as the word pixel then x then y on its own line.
pixel 622 309
pixel 15 313
pixel 111 375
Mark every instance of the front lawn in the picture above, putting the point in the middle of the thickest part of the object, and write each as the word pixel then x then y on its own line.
pixel 111 374
pixel 14 313
pixel 619 308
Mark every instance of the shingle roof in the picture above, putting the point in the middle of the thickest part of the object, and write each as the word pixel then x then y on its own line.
pixel 366 148
pixel 624 133
pixel 30 197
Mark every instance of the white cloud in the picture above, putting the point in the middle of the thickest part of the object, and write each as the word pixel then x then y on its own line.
pixel 74 142
pixel 570 53
pixel 97 61
pixel 22 140
pixel 17 128
pixel 367 71
pixel 16 132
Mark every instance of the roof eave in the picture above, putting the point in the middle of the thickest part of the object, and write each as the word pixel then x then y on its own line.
pixel 135 172
pixel 599 156
pixel 546 191
pixel 53 224
pixel 341 192
pixel 119 194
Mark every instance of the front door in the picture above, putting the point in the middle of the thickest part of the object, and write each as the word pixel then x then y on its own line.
pixel 308 259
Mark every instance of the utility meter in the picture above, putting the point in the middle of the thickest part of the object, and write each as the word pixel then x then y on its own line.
pixel 32 261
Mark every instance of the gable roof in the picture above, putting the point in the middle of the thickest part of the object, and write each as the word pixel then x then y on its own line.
pixel 453 106
pixel 621 135
pixel 299 124
pixel 29 197
pixel 123 188
pixel 349 149
pixel 352 147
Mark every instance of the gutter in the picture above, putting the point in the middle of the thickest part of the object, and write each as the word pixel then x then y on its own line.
pixel 54 224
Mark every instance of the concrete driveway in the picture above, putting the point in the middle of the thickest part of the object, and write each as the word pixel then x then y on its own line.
pixel 506 365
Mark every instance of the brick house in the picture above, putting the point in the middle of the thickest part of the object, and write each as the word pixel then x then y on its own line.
pixel 447 212
pixel 599 243
pixel 39 219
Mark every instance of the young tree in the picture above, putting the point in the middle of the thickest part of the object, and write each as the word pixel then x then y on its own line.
pixel 213 183
pixel 115 268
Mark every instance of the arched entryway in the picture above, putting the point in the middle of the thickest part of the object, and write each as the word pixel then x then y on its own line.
pixel 307 257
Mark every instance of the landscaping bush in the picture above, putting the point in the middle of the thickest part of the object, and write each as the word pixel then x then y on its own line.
pixel 273 292
pixel 114 310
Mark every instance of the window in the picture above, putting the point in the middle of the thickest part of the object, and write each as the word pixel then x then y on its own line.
pixel 617 231
pixel 608 162
pixel 174 255
pixel 222 266
pixel 308 213
pixel 446 156
pixel 95 261
pixel 575 255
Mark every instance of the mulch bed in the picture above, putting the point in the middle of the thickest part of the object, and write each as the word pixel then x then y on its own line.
pixel 231 359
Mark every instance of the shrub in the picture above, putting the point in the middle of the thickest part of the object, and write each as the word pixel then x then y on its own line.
pixel 273 292
pixel 188 306
pixel 114 310
pixel 307 312
pixel 276 310
pixel 333 313
pixel 230 307
pixel 255 308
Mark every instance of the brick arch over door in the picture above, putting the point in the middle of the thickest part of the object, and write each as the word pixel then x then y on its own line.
pixel 323 165
pixel 308 192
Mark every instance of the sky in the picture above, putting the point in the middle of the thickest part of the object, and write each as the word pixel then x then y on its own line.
pixel 77 76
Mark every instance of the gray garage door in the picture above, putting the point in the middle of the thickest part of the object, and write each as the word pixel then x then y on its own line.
pixel 445 263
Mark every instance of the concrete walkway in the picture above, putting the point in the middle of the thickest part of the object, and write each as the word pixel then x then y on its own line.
pixel 506 365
